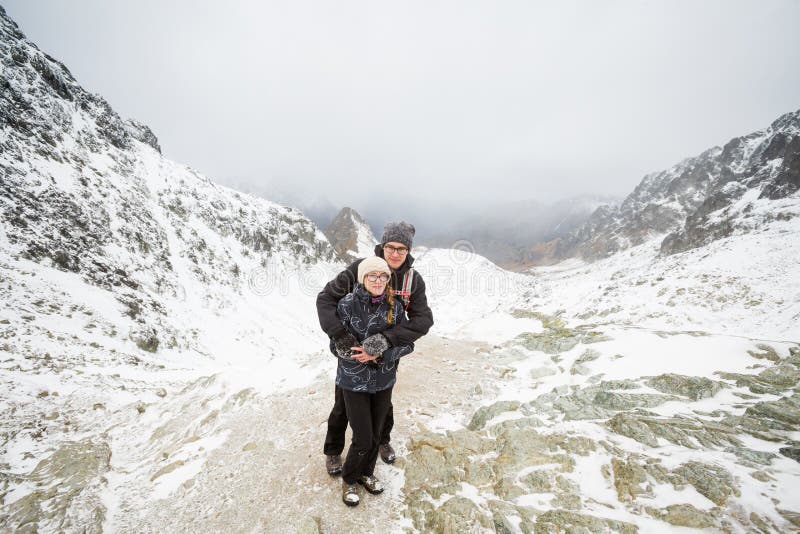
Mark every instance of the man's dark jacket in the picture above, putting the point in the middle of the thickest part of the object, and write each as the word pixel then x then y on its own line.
pixel 420 318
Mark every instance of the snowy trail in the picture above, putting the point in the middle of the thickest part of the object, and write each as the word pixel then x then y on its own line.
pixel 269 474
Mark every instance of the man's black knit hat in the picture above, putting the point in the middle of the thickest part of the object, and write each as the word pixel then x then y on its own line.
pixel 399 232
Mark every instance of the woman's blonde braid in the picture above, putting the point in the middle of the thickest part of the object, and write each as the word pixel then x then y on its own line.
pixel 390 302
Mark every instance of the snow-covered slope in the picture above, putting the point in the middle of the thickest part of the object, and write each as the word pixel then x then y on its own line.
pixel 744 285
pixel 471 297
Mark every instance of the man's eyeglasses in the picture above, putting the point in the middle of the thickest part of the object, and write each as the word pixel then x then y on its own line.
pixel 397 250
pixel 372 277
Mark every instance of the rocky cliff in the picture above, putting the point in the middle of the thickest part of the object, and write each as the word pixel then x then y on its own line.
pixel 740 187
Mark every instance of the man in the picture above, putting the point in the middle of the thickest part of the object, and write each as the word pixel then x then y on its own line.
pixel 394 248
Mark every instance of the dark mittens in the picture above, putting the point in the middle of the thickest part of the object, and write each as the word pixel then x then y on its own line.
pixel 342 345
pixel 375 345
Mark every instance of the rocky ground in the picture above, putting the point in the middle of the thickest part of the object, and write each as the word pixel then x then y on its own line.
pixel 564 428
pixel 580 441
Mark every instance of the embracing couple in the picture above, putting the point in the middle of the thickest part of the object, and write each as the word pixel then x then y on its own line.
pixel 373 312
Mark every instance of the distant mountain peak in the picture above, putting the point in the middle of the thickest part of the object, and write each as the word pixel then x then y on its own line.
pixel 350 235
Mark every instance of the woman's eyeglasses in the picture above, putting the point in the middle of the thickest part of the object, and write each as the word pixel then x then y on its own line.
pixel 397 250
pixel 383 277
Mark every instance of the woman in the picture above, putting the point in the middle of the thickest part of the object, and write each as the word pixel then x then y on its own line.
pixel 367 373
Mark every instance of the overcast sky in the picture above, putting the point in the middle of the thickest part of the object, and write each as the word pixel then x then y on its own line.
pixel 432 103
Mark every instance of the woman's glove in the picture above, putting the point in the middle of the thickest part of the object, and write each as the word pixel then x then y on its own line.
pixel 342 345
pixel 376 345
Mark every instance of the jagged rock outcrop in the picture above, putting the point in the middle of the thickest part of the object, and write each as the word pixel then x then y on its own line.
pixel 758 168
pixel 350 235
pixel 750 182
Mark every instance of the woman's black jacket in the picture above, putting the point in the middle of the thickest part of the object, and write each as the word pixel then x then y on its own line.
pixel 363 318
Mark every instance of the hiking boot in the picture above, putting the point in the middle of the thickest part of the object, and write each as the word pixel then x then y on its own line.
pixel 333 463
pixel 387 453
pixel 371 484
pixel 350 494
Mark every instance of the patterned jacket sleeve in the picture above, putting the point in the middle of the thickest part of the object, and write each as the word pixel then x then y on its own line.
pixel 393 354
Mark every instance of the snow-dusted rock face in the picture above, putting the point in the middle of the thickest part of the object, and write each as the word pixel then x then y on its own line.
pixel 88 192
pixel 351 236
pixel 740 187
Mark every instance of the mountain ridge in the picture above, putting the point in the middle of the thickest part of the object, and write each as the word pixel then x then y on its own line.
pixel 677 202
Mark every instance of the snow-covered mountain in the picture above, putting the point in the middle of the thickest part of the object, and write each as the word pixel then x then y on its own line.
pixel 351 236
pixel 744 185
pixel 125 277
pixel 88 193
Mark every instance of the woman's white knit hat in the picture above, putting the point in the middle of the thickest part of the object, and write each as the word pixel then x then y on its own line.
pixel 370 265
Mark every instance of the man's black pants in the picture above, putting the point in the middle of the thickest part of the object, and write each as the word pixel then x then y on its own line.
pixel 367 414
pixel 337 425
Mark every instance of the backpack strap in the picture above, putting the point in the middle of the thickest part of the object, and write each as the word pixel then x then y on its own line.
pixel 405 290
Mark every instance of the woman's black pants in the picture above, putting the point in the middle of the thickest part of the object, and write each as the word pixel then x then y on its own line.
pixel 366 413
pixel 337 425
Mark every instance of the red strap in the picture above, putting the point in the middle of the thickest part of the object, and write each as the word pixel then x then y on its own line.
pixel 405 292
pixel 406 296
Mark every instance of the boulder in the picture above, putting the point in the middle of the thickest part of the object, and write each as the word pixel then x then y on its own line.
pixel 693 387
